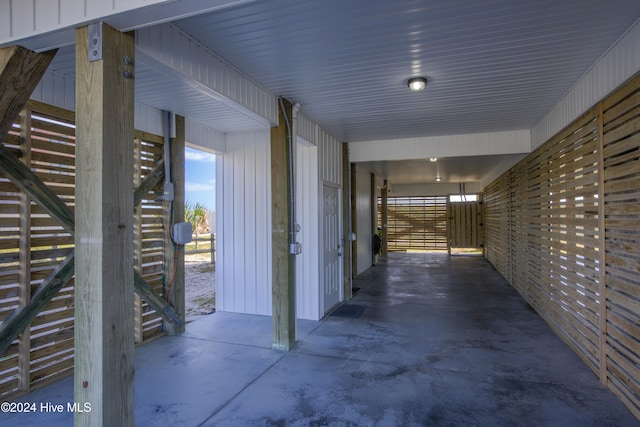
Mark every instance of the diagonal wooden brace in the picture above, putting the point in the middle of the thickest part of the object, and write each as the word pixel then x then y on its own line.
pixel 15 170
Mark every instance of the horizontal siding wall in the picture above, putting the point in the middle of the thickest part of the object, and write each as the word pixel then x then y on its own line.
pixel 571 256
pixel 243 224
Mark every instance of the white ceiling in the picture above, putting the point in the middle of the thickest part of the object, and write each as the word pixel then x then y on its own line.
pixel 492 65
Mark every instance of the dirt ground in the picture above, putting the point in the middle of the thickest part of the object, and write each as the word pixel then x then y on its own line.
pixel 200 288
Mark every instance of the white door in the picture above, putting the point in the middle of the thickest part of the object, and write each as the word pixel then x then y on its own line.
pixel 332 260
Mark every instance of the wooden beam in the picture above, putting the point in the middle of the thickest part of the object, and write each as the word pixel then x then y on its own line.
pixel 175 255
pixel 602 253
pixel 24 292
pixel 354 220
pixel 346 220
pixel 20 73
pixel 20 319
pixel 62 213
pixel 30 184
pixel 384 214
pixel 143 289
pixel 374 217
pixel 104 282
pixel 149 181
pixel 283 274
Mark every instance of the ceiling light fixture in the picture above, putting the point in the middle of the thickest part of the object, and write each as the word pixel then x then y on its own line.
pixel 417 84
pixel 433 159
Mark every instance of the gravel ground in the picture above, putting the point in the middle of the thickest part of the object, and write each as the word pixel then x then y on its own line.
pixel 200 286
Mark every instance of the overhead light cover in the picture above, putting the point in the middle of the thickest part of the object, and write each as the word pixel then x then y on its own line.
pixel 433 159
pixel 417 84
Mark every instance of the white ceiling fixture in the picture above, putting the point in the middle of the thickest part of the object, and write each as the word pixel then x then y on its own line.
pixel 417 84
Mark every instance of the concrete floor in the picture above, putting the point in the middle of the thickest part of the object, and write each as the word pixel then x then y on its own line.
pixel 444 341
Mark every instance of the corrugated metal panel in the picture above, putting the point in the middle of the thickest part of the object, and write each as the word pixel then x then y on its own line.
pixel 620 63
pixel 243 224
pixel 193 64
pixel 30 17
pixel 56 89
pixel 306 129
pixel 148 119
pixel 308 262
pixel 205 138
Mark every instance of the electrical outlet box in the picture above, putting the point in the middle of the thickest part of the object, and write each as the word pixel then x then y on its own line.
pixel 352 237
pixel 167 195
pixel 295 248
pixel 182 232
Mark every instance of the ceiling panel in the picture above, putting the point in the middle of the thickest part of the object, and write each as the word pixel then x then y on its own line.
pixel 492 65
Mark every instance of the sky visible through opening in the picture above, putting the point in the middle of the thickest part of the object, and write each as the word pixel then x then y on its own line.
pixel 200 177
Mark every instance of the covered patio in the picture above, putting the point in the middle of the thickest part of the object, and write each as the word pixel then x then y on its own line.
pixel 428 339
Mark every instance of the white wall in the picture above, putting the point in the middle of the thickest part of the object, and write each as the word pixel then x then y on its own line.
pixel 307 214
pixel 437 189
pixel 509 142
pixel 363 219
pixel 243 201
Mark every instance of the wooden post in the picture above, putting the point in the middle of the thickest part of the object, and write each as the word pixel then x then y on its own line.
pixel 20 73
pixel 602 260
pixel 374 219
pixel 174 256
pixel 283 284
pixel 104 303
pixel 346 217
pixel 384 214
pixel 24 340
pixel 138 332
pixel 354 221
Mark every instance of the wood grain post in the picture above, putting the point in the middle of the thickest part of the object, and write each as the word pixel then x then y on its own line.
pixel 104 293
pixel 137 232
pixel 374 216
pixel 346 218
pixel 602 253
pixel 354 220
pixel 24 340
pixel 283 263
pixel 175 255
pixel 384 215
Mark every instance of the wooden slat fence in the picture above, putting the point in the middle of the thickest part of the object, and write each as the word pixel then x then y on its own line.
pixel 575 259
pixel 416 223
pixel 32 244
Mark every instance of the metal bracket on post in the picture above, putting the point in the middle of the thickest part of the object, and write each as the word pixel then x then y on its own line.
pixel 95 42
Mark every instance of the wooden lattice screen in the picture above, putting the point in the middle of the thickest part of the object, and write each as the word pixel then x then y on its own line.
pixel 416 223
pixel 549 234
pixel 32 244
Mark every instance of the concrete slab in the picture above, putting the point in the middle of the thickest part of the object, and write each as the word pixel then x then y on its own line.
pixel 444 341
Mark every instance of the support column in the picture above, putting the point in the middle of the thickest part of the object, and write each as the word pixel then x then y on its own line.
pixel 24 340
pixel 175 255
pixel 284 264
pixel 374 217
pixel 354 221
pixel 104 284
pixel 384 215
pixel 346 220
